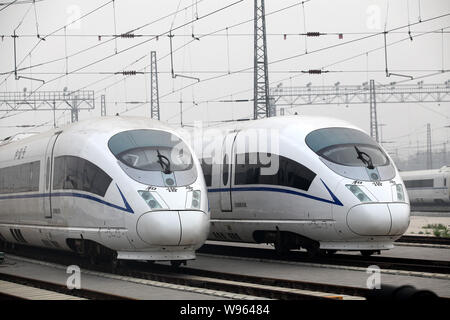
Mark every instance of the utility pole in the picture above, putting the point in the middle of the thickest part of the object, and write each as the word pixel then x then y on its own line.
pixel 74 111
pixel 381 125
pixel 54 114
pixel 373 112
pixel 181 112
pixel 429 155
pixel 103 105
pixel 154 104
pixel 445 153
pixel 261 102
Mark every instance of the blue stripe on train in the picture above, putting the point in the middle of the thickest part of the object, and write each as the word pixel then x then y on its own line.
pixel 127 207
pixel 335 200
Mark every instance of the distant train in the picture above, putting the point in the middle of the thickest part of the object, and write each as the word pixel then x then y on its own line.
pixel 114 187
pixel 428 188
pixel 301 182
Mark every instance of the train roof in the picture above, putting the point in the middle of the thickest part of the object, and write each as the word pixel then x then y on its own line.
pixel 424 173
pixel 110 124
pixel 309 123
pixel 17 137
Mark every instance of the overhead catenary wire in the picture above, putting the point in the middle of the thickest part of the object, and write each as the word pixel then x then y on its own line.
pixel 86 49
pixel 7 5
pixel 175 50
pixel 57 30
pixel 217 34
pixel 141 43
pixel 156 36
pixel 421 77
pixel 315 51
pixel 99 44
pixel 223 72
pixel 73 73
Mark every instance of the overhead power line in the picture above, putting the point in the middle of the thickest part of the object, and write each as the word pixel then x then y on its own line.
pixel 51 33
pixel 315 51
pixel 326 66
pixel 143 42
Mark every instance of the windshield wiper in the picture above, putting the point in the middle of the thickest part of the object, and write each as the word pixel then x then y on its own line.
pixel 367 161
pixel 165 165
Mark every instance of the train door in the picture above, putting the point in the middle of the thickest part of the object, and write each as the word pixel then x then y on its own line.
pixel 226 174
pixel 48 174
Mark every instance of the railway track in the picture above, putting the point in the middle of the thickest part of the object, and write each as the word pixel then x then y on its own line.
pixel 313 290
pixel 424 240
pixel 262 287
pixel 233 283
pixel 418 265
pixel 18 287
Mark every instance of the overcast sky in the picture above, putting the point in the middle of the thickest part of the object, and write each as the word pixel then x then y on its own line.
pixel 222 54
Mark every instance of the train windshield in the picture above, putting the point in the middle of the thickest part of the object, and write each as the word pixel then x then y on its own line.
pixel 347 147
pixel 151 150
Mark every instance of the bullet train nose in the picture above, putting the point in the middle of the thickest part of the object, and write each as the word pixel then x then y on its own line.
pixel 173 228
pixel 378 219
pixel 195 227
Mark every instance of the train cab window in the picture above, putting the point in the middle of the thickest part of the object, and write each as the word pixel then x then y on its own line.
pixel 206 164
pixel 151 150
pixel 74 173
pixel 346 146
pixel 290 173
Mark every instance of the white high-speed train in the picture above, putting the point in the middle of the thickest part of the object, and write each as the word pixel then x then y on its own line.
pixel 115 187
pixel 298 181
pixel 428 187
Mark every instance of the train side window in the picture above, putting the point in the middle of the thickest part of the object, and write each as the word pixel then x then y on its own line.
pixel 74 173
pixel 225 170
pixel 20 178
pixel 34 175
pixel 290 173
pixel 59 173
pixel 426 183
pixel 206 164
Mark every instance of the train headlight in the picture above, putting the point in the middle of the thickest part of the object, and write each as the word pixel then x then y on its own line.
pixel 151 201
pixel 358 192
pixel 400 193
pixel 196 195
pixel 193 199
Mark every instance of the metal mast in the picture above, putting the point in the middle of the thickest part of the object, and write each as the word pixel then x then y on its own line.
pixel 445 153
pixel 261 104
pixel 103 105
pixel 373 112
pixel 429 156
pixel 74 111
pixel 154 87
